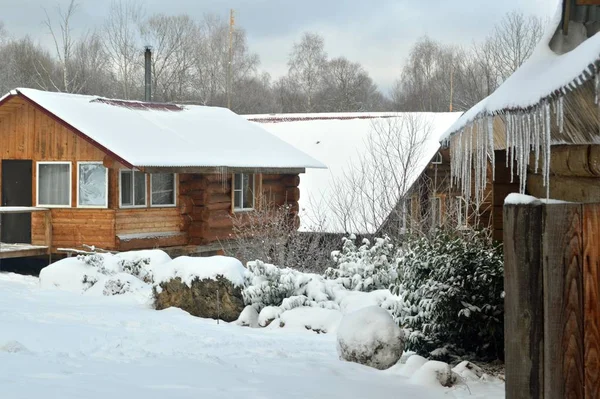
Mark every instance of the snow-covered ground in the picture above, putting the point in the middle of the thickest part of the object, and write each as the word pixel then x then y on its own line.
pixel 63 344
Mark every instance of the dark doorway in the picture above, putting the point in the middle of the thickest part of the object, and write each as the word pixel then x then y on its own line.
pixel 16 191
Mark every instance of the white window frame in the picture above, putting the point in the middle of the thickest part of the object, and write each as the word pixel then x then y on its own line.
pixel 37 183
pixel 437 159
pixel 133 188
pixel 174 204
pixel 234 189
pixel 106 173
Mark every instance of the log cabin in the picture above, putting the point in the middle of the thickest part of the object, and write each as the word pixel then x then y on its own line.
pixel 539 131
pixel 123 175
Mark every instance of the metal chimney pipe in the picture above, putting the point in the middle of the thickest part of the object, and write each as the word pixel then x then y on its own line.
pixel 148 74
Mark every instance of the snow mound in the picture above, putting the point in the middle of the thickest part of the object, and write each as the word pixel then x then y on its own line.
pixel 370 336
pixel 469 371
pixel 413 363
pixel 78 274
pixel 435 374
pixel 14 347
pixel 248 317
pixel 121 284
pixel 315 319
pixel 268 314
pixel 189 268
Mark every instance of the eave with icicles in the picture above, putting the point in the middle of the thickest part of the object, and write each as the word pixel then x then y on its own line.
pixel 551 100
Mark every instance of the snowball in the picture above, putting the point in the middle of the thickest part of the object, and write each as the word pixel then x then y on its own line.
pixel 319 320
pixel 248 317
pixel 189 268
pixel 369 336
pixel 435 374
pixel 268 314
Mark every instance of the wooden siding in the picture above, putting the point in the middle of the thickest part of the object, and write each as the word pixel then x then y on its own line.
pixel 71 228
pixel 206 203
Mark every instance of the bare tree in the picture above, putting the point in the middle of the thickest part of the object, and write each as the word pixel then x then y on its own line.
pixel 375 187
pixel 347 87
pixel 513 41
pixel 306 66
pixel 123 46
pixel 64 45
pixel 172 40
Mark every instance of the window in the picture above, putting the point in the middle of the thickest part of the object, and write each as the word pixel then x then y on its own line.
pixel 243 191
pixel 133 188
pixel 162 186
pixel 437 159
pixel 92 185
pixel 54 184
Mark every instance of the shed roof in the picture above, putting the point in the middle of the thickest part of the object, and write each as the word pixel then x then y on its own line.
pixel 151 135
pixel 339 140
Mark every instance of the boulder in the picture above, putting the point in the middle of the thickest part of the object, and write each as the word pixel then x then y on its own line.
pixel 369 336
pixel 207 298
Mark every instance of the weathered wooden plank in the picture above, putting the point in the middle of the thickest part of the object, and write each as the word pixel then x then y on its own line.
pixel 563 301
pixel 591 282
pixel 523 303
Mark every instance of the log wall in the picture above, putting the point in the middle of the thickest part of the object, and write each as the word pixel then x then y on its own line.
pixel 206 203
pixel 574 174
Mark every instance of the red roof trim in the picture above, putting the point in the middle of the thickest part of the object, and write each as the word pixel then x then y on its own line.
pixel 71 127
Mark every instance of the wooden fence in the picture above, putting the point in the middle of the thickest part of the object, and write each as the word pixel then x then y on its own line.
pixel 552 303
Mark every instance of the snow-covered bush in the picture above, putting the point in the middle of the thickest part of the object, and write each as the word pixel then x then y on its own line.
pixel 370 336
pixel 452 287
pixel 365 268
pixel 269 285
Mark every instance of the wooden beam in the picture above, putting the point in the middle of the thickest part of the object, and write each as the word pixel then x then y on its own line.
pixel 523 318
pixel 563 301
pixel 591 283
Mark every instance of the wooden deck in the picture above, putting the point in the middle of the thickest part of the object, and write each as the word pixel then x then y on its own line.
pixel 21 250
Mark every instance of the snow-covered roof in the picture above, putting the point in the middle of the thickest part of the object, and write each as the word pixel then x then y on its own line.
pixel 339 140
pixel 545 76
pixel 168 135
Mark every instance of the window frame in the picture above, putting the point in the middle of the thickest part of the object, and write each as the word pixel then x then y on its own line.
pixel 37 183
pixel 174 204
pixel 133 189
pixel 105 206
pixel 233 190
pixel 437 159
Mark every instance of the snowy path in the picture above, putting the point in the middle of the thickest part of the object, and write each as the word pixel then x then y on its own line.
pixel 77 346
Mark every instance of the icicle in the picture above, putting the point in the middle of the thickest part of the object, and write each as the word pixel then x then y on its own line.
pixel 490 124
pixel 547 149
pixel 561 114
pixel 597 87
pixel 536 137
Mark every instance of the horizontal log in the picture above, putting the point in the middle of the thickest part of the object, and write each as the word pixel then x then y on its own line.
pixel 271 177
pixel 291 180
pixel 186 204
pixel 572 189
pixel 153 242
pixel 273 187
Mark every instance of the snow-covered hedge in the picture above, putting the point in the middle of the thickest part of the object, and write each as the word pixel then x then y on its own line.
pixel 367 267
pixel 452 288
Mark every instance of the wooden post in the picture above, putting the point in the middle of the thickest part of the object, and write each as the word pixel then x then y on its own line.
pixel 563 301
pixel 552 305
pixel 591 279
pixel 523 303
pixel 48 231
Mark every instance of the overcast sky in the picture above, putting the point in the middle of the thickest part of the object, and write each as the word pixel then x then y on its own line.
pixel 376 33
